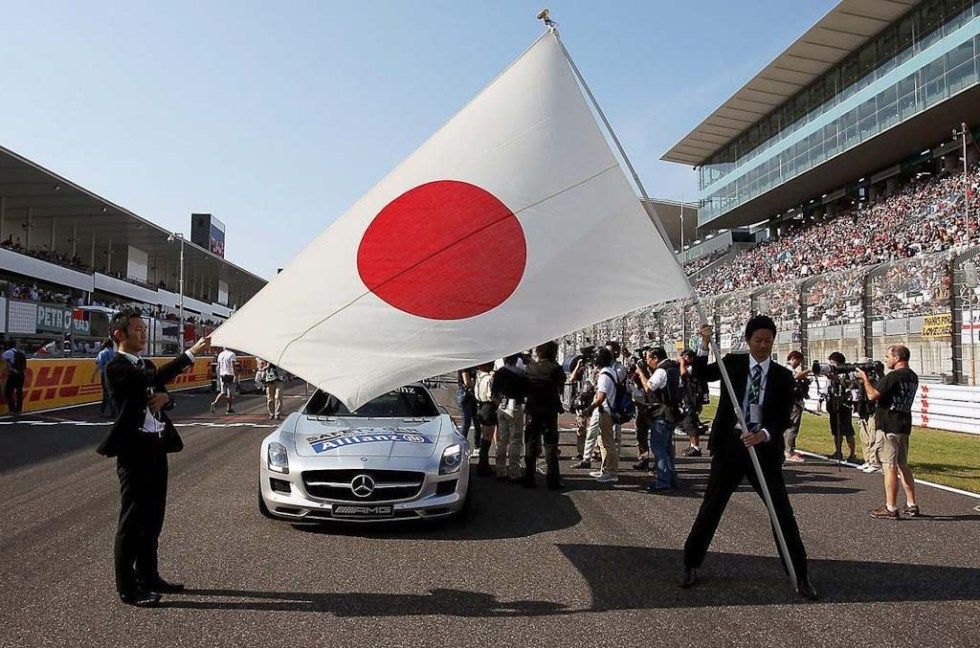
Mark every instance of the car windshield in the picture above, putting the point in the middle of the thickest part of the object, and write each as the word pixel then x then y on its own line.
pixel 405 402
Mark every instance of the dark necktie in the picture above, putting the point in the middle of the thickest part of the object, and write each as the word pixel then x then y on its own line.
pixel 755 390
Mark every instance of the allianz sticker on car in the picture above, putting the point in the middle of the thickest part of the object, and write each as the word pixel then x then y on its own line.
pixel 354 436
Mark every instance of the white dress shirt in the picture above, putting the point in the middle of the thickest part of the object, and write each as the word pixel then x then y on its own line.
pixel 702 352
pixel 151 424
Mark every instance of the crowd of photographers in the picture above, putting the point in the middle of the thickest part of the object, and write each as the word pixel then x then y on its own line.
pixel 513 406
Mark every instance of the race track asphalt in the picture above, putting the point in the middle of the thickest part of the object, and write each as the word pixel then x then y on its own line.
pixel 592 565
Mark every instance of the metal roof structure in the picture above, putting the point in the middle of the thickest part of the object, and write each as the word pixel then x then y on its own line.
pixel 843 30
pixel 54 213
pixel 670 212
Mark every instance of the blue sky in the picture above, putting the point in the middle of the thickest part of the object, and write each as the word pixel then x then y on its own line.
pixel 276 116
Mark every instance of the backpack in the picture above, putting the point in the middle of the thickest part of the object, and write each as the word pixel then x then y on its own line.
pixel 20 360
pixel 622 409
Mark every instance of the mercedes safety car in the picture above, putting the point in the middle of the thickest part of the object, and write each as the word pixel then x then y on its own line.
pixel 396 457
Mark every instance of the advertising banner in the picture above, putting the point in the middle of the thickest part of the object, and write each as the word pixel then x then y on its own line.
pixel 56 318
pixel 937 326
pixel 53 384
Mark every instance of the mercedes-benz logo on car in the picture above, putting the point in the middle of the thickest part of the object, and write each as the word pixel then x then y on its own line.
pixel 362 485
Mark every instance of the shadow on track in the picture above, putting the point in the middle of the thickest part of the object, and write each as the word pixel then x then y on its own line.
pixel 627 578
pixel 442 602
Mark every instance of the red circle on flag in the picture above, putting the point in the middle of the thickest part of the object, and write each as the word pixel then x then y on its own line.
pixel 444 250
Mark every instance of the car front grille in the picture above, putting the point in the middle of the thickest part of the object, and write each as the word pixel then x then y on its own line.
pixel 389 485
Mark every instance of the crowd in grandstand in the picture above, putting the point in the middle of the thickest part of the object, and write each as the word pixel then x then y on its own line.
pixel 925 216
pixel 43 253
pixel 698 264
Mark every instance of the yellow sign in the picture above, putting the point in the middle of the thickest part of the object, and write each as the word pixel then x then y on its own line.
pixel 936 326
pixel 57 383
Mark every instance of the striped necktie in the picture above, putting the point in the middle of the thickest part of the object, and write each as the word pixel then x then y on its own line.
pixel 755 390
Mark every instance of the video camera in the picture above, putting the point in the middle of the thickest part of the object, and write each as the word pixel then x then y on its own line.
pixel 587 354
pixel 845 388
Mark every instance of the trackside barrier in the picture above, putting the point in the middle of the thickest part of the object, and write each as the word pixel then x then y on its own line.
pixel 69 382
pixel 955 408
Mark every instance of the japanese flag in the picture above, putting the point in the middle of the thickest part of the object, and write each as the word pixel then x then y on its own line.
pixel 512 225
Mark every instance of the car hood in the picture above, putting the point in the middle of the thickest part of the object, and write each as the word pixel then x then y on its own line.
pixel 347 437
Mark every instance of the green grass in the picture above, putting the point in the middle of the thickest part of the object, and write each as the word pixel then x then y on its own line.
pixel 948 458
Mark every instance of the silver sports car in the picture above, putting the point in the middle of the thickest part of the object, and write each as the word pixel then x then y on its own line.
pixel 396 457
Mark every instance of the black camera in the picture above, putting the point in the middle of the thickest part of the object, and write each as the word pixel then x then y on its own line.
pixel 874 369
pixel 845 388
pixel 587 353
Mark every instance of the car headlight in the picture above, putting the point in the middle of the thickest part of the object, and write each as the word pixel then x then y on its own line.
pixel 278 459
pixel 452 459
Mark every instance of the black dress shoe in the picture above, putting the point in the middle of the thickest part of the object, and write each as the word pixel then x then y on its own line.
pixel 140 598
pixel 805 590
pixel 162 586
pixel 688 577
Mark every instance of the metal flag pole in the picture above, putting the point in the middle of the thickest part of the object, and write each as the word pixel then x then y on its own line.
pixel 696 301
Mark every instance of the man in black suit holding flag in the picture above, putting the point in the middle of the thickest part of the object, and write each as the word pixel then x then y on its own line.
pixel 764 390
pixel 140 439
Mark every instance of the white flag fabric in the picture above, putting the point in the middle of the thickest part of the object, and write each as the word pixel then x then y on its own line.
pixel 512 225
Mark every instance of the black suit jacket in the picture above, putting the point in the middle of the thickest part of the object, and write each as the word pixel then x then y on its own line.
pixel 777 405
pixel 129 384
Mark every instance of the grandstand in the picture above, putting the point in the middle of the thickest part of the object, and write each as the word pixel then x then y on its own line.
pixel 841 160
pixel 69 258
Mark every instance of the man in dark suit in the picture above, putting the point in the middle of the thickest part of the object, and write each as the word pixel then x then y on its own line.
pixel 765 393
pixel 140 439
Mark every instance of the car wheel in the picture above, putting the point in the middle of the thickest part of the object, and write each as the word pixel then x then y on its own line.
pixel 263 509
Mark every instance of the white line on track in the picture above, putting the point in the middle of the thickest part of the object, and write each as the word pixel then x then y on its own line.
pixel 106 423
pixel 917 481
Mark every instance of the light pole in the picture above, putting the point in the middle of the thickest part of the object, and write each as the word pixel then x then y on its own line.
pixel 683 307
pixel 966 180
pixel 180 333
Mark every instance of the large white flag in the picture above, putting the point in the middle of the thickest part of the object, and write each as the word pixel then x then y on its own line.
pixel 512 225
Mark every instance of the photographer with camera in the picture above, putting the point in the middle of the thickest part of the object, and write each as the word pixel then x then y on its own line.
pixel 894 395
pixel 466 400
pixel 509 388
pixel 622 374
pixel 582 378
pixel 600 428
pixel 801 391
pixel 663 388
pixel 839 406
pixel 694 394
pixel 642 402
pixel 545 381
pixel 486 417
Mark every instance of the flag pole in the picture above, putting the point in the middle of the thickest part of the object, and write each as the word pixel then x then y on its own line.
pixel 725 378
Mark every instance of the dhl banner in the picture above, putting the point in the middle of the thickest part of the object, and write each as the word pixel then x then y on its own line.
pixel 246 367
pixel 57 383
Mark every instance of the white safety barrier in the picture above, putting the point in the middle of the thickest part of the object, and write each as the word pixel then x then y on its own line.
pixel 940 407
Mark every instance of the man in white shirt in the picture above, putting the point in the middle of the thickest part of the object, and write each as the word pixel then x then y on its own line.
pixel 600 420
pixel 621 372
pixel 663 415
pixel 140 439
pixel 226 379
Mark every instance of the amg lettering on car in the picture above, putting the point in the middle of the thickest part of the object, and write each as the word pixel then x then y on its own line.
pixel 337 442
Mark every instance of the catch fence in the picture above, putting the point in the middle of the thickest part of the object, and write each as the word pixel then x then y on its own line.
pixel 929 302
